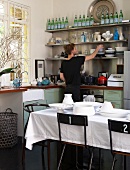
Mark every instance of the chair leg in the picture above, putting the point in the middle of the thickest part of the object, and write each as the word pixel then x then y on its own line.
pixel 76 158
pixel 124 162
pixel 99 158
pixel 48 153
pixel 61 156
pixel 91 160
pixel 113 163
pixel 43 160
pixel 23 151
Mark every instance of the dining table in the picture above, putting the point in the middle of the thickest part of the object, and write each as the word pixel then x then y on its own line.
pixel 42 125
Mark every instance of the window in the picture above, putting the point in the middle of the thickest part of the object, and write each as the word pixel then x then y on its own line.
pixel 14 21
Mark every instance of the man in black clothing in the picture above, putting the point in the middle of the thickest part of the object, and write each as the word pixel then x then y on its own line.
pixel 70 70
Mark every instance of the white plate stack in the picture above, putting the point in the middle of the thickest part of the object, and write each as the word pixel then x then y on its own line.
pixel 110 52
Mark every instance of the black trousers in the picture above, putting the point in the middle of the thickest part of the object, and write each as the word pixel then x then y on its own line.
pixel 74 90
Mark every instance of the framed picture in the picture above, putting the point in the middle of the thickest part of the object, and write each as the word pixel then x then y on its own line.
pixel 39 68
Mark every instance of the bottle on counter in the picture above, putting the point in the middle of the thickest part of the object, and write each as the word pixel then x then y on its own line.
pixel 83 21
pixel 107 18
pixel 56 24
pixel 120 16
pixel 62 23
pixel 66 22
pixel 79 21
pixel 91 20
pixel 75 21
pixel 102 19
pixel 111 19
pixel 87 21
pixel 59 23
pixel 116 18
pixel 52 24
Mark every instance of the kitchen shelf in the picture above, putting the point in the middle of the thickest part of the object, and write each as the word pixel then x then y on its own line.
pixel 96 42
pixel 88 27
pixel 55 59
pixel 96 58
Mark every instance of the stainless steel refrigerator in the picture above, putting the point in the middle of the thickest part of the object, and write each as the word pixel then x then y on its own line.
pixel 127 80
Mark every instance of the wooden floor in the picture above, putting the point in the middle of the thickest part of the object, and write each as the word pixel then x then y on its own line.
pixel 10 159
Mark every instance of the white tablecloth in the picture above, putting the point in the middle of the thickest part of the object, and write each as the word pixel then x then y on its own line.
pixel 43 125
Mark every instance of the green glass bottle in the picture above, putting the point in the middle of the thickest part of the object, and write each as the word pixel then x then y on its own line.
pixel 56 24
pixel 62 23
pixel 91 20
pixel 87 21
pixel 59 23
pixel 79 21
pixel 120 16
pixel 48 24
pixel 75 21
pixel 116 18
pixel 102 19
pixel 52 24
pixel 83 21
pixel 66 22
pixel 107 18
pixel 111 19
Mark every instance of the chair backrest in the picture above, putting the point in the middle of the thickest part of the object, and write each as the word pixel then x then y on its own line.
pixel 31 107
pixel 69 119
pixel 117 126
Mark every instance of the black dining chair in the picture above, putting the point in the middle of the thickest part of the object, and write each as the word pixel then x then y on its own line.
pixel 76 120
pixel 119 127
pixel 31 108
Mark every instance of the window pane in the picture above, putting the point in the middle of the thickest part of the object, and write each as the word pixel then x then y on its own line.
pixel 18 13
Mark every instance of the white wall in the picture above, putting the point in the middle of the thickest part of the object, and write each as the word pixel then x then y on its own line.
pixel 126 7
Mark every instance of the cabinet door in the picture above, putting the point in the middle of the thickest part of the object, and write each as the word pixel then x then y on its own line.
pixel 113 95
pixel 54 95
pixel 116 104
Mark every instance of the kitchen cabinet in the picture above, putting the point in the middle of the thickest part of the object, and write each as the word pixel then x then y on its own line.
pixel 115 97
pixel 54 95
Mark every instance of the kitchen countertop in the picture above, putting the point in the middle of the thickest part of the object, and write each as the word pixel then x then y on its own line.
pixel 100 87
pixel 12 90
pixel 24 88
pixel 82 87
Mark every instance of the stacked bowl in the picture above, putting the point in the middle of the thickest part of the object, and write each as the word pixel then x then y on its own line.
pixel 110 52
